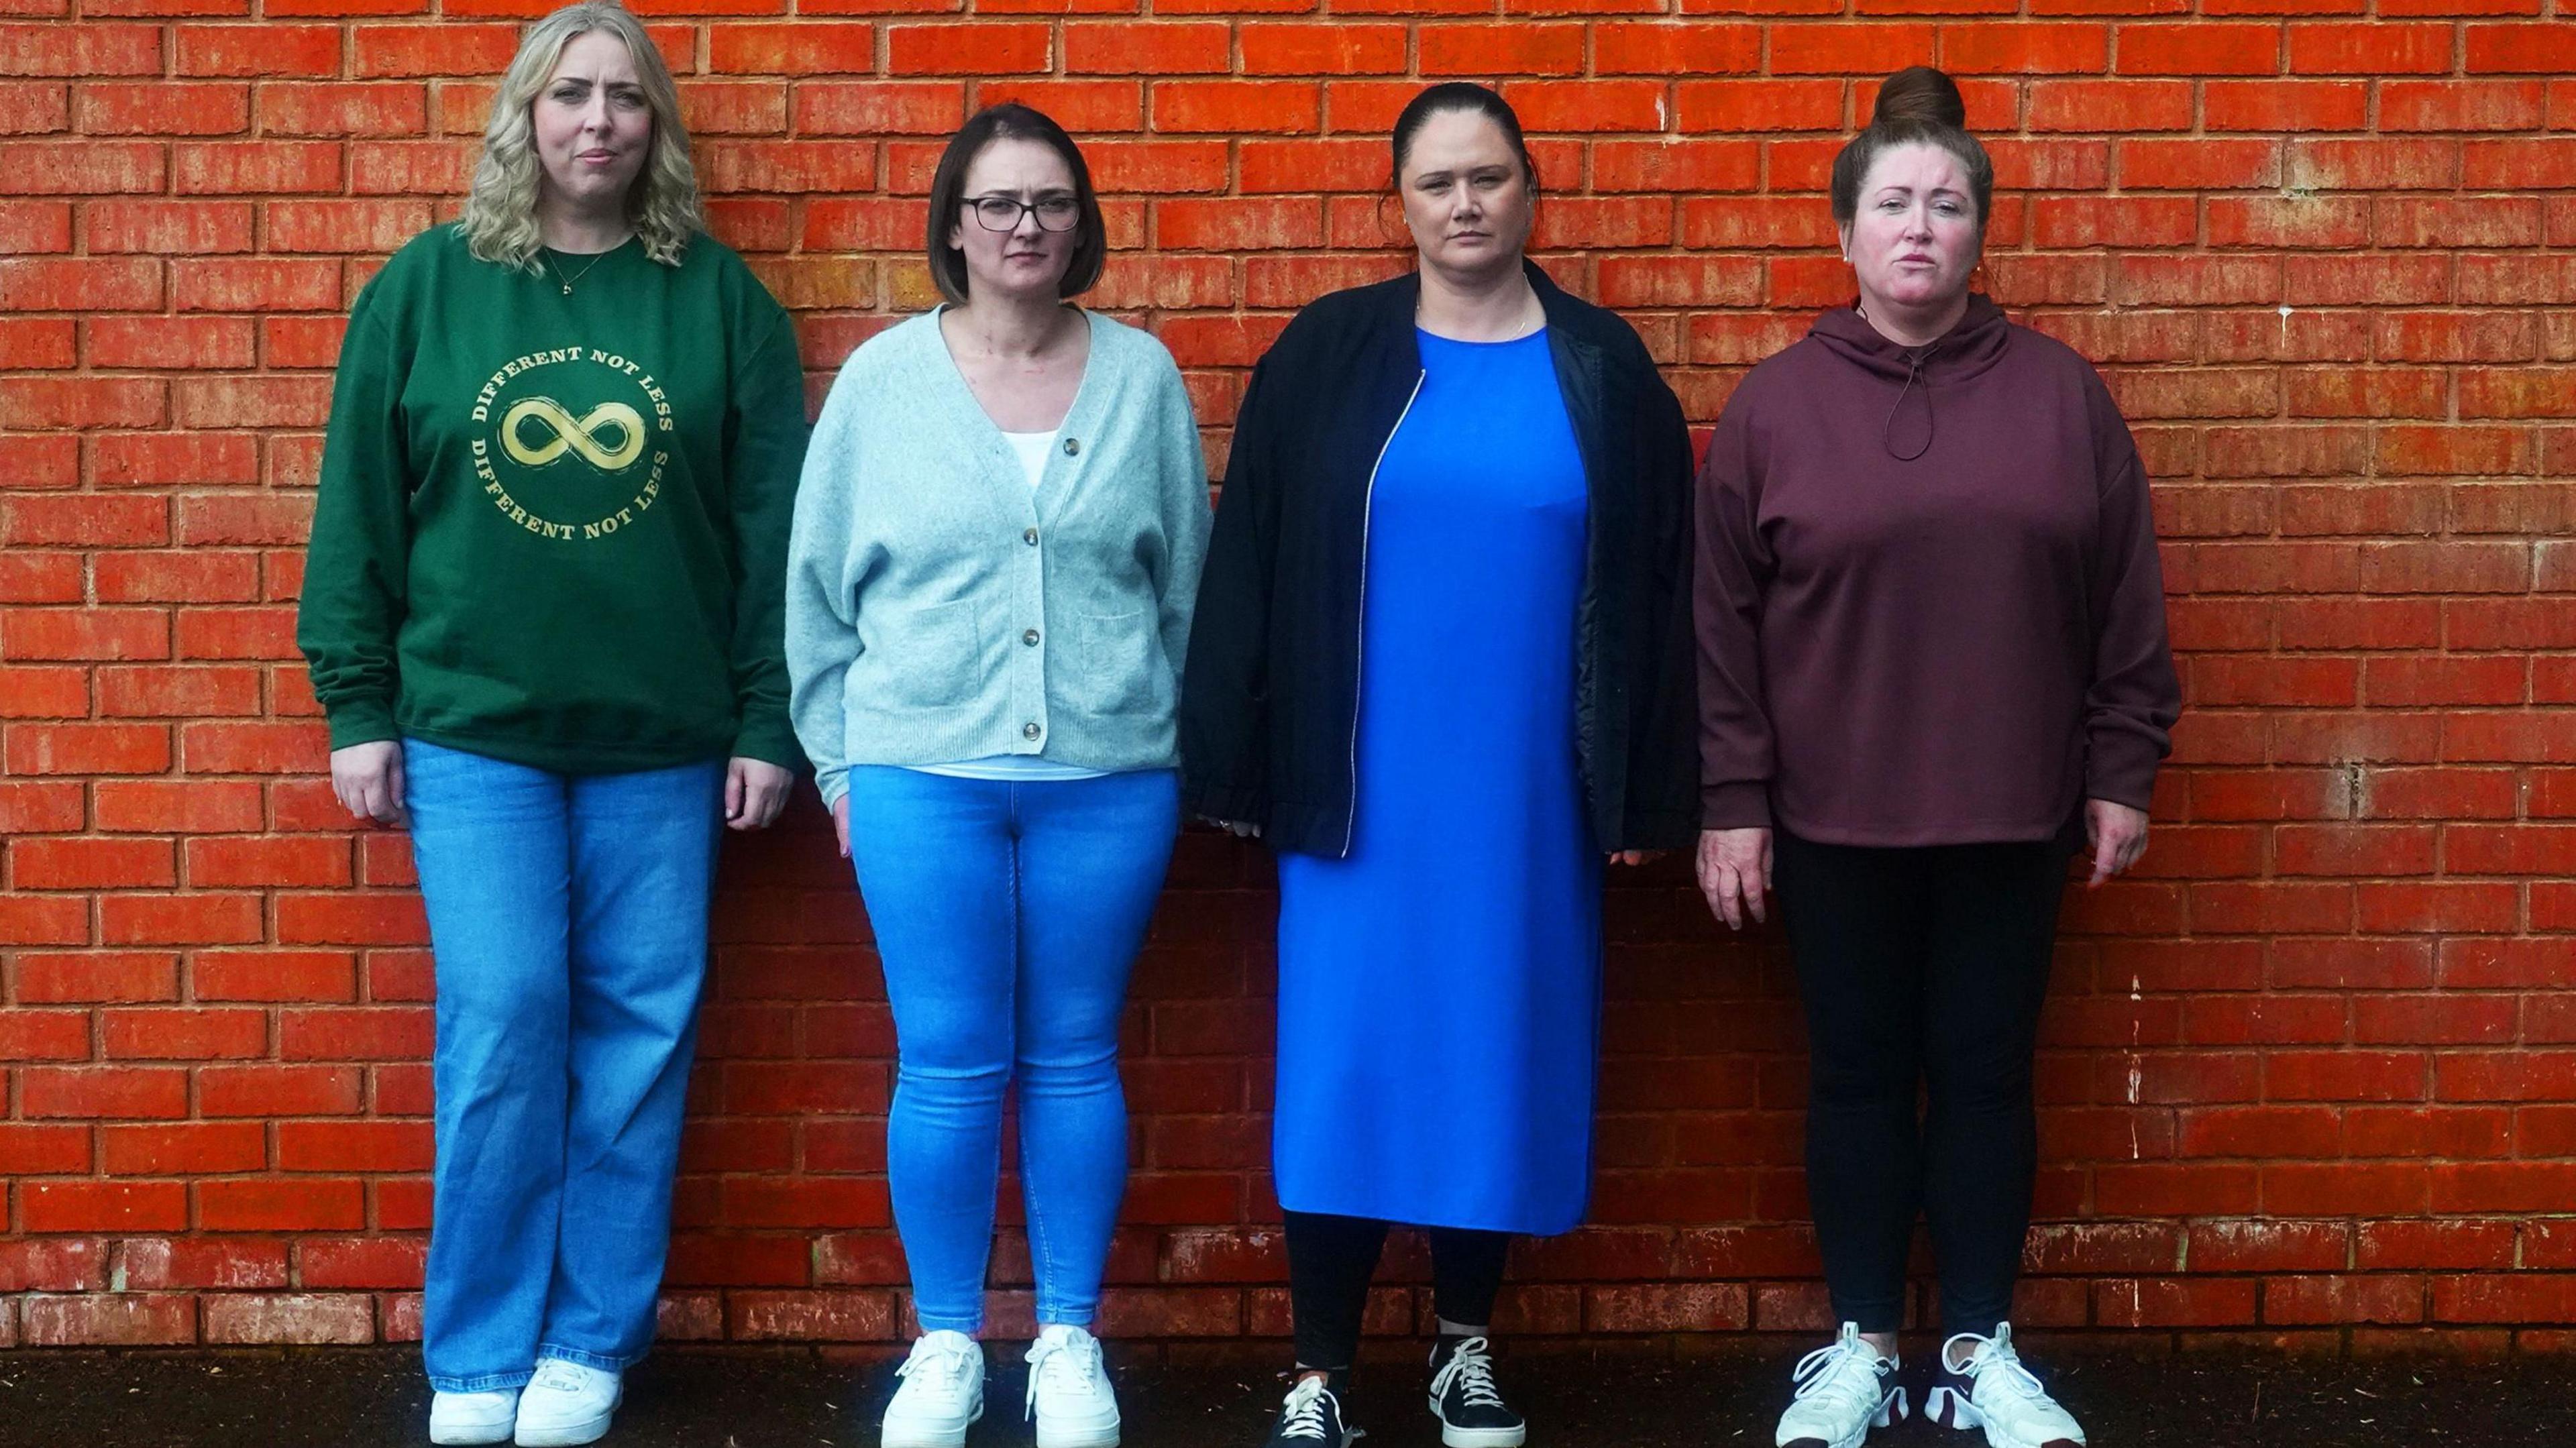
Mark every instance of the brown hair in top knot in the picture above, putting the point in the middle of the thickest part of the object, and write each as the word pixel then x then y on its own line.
pixel 1917 106
pixel 1920 94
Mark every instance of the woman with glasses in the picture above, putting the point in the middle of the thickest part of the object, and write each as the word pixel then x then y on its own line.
pixel 996 550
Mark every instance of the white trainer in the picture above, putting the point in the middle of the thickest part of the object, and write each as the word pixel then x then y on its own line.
pixel 473 1417
pixel 567 1403
pixel 1993 1391
pixel 941 1394
pixel 1069 1392
pixel 1844 1389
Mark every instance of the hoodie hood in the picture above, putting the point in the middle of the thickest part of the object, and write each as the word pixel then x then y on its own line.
pixel 1976 343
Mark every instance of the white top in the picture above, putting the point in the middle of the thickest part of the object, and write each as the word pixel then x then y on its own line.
pixel 1033 448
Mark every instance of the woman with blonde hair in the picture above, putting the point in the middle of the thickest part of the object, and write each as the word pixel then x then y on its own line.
pixel 542 609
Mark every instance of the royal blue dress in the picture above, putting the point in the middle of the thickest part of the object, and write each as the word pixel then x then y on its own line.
pixel 1439 988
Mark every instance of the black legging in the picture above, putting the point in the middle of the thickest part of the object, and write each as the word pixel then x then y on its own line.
pixel 1921 968
pixel 1331 1260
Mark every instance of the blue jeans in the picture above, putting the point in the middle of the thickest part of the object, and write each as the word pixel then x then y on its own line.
pixel 568 916
pixel 1007 915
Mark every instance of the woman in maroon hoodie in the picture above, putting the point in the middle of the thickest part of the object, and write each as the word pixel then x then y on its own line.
pixel 1932 669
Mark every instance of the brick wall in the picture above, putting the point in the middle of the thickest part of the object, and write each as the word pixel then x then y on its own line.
pixel 2310 1069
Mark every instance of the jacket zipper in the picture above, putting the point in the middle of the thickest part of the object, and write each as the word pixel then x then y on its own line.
pixel 1359 630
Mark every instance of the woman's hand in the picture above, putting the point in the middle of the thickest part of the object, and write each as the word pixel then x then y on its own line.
pixel 1635 857
pixel 2119 836
pixel 841 824
pixel 755 791
pixel 1735 874
pixel 368 780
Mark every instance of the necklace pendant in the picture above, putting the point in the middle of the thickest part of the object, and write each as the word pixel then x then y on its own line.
pixel 567 289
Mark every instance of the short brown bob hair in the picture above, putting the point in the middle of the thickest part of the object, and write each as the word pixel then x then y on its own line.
pixel 1011 121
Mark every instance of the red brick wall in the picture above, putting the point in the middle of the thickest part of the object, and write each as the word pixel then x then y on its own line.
pixel 2310 1068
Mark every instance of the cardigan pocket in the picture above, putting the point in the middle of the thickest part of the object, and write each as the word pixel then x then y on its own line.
pixel 1121 669
pixel 930 658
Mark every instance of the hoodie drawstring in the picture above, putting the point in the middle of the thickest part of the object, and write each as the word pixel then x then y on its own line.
pixel 1887 430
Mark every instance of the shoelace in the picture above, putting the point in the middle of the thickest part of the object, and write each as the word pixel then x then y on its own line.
pixel 948 1366
pixel 1471 1367
pixel 1302 1416
pixel 1843 1371
pixel 1995 1355
pixel 555 1373
pixel 1073 1361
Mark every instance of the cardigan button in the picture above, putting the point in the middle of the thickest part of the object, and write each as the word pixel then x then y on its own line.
pixel 1029 536
pixel 1029 730
pixel 1030 638
pixel 1073 447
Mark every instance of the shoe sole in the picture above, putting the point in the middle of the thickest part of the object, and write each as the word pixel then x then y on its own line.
pixel 1949 1407
pixel 478 1435
pixel 934 1440
pixel 569 1436
pixel 1451 1437
pixel 1891 1409
pixel 1091 1437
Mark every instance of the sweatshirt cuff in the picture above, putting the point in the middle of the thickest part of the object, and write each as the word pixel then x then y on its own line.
pixel 1735 805
pixel 769 739
pixel 833 781
pixel 363 720
pixel 2120 766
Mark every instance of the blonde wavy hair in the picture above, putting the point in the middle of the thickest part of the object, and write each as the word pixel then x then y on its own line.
pixel 500 220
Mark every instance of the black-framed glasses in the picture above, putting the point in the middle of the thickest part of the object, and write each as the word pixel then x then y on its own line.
pixel 1054 211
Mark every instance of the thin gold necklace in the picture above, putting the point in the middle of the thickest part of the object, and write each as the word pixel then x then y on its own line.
pixel 576 276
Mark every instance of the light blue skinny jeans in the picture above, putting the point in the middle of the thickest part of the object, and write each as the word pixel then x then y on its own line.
pixel 568 917
pixel 1007 915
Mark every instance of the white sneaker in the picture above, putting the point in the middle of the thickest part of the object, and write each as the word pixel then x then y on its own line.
pixel 567 1403
pixel 473 1417
pixel 2000 1396
pixel 1844 1389
pixel 1069 1392
pixel 942 1393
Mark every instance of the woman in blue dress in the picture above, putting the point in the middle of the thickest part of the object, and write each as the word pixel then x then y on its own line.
pixel 1443 666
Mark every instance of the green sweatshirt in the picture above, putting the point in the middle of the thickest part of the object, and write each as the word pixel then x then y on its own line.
pixel 553 525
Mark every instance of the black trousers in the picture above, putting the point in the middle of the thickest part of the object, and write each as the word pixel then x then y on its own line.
pixel 1922 972
pixel 1332 1259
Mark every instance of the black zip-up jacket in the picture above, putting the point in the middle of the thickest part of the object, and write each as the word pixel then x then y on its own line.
pixel 1270 697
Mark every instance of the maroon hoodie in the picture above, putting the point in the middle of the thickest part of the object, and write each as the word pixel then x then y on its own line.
pixel 1929 605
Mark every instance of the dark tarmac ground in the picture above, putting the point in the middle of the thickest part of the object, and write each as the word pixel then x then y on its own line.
pixel 2223 1397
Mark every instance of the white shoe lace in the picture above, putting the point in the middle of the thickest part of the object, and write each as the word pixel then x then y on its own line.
pixel 1472 1367
pixel 944 1366
pixel 557 1375
pixel 1066 1363
pixel 1842 1375
pixel 1302 1414
pixel 1992 1360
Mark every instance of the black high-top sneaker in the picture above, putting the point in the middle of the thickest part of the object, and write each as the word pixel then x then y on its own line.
pixel 1311 1418
pixel 1471 1410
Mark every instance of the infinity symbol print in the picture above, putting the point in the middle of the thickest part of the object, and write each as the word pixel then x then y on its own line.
pixel 577 434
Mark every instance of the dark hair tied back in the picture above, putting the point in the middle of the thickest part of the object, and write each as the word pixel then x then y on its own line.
pixel 1917 106
pixel 1458 95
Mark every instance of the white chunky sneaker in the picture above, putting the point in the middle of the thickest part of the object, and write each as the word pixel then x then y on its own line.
pixel 1990 1389
pixel 942 1393
pixel 1844 1389
pixel 473 1417
pixel 1069 1392
pixel 567 1403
